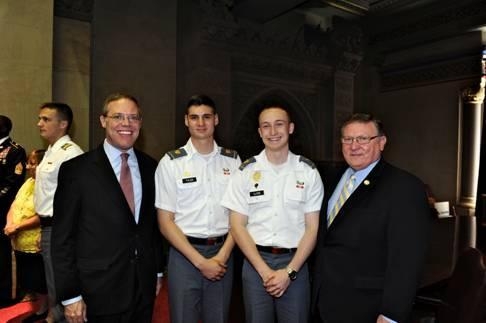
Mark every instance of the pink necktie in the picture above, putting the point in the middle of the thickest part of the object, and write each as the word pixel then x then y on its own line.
pixel 126 182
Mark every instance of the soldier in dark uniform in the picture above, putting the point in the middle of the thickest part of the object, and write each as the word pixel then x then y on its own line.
pixel 12 173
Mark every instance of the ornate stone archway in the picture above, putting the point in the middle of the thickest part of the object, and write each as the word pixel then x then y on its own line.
pixel 302 141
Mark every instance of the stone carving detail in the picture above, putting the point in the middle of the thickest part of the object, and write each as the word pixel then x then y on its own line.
pixel 347 37
pixel 349 63
pixel 311 44
pixel 467 67
pixel 474 95
pixel 343 84
pixel 74 9
pixel 383 5
pixel 464 12
pixel 281 68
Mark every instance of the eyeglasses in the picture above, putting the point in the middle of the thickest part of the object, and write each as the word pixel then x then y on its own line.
pixel 120 117
pixel 362 140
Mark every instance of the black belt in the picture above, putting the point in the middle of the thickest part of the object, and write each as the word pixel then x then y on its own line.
pixel 207 241
pixel 45 221
pixel 275 250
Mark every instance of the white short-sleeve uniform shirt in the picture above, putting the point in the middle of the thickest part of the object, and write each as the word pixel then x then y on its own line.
pixel 48 169
pixel 275 199
pixel 191 186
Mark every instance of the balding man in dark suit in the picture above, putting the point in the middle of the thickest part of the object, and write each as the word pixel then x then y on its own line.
pixel 373 237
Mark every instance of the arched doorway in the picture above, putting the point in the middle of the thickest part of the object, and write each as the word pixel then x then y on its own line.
pixel 302 142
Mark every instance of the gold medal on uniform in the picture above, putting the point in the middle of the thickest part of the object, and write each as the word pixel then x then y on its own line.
pixel 257 176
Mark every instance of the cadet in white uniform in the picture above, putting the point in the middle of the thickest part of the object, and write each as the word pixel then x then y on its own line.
pixel 55 119
pixel 275 199
pixel 190 182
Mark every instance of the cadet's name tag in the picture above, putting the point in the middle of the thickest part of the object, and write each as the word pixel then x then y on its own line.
pixel 189 180
pixel 257 193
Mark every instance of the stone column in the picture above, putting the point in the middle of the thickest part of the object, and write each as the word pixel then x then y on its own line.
pixel 470 145
pixel 25 65
pixel 133 50
pixel 347 53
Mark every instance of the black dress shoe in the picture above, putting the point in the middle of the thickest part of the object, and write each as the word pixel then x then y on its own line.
pixel 34 317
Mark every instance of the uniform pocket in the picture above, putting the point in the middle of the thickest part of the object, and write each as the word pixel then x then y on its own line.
pixel 189 190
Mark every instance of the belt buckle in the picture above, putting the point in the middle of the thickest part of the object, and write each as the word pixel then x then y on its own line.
pixel 211 241
pixel 276 251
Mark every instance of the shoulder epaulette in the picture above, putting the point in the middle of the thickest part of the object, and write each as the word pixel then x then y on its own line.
pixel 177 153
pixel 307 161
pixel 247 162
pixel 16 145
pixel 66 146
pixel 229 152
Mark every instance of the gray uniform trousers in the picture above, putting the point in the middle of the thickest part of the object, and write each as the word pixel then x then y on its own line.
pixel 291 307
pixel 192 297
pixel 56 309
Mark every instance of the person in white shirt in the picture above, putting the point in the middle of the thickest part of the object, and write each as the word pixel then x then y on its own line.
pixel 55 120
pixel 275 199
pixel 189 184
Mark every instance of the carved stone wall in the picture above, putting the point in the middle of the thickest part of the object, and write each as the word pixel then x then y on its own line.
pixel 418 75
pixel 445 19
pixel 298 69
pixel 413 77
pixel 74 9
pixel 248 93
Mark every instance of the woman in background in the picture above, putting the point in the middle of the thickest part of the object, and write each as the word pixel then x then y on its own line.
pixel 23 227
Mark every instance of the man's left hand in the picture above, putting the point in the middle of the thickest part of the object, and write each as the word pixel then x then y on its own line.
pixel 76 312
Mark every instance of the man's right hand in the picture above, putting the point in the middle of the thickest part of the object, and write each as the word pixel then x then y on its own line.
pixel 76 312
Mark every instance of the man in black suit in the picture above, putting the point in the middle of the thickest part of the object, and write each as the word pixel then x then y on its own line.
pixel 371 250
pixel 105 240
pixel 12 173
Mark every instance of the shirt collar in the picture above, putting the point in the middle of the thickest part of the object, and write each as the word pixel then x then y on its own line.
pixel 113 153
pixel 2 140
pixel 192 151
pixel 291 160
pixel 362 173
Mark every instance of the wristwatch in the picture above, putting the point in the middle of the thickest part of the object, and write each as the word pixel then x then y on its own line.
pixel 292 273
